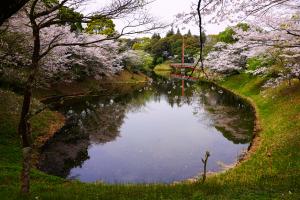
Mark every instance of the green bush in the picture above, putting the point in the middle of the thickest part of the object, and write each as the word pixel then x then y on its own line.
pixel 141 62
pixel 260 61
pixel 227 36
pixel 159 60
pixel 245 27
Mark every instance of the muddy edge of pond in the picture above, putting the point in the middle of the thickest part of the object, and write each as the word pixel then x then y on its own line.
pixel 255 142
pixel 40 141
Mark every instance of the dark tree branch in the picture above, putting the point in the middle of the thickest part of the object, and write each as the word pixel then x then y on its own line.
pixel 266 7
pixel 201 42
pixel 10 7
pixel 291 33
pixel 50 46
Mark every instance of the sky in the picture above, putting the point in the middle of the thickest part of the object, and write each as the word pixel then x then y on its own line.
pixel 164 11
pixel 167 9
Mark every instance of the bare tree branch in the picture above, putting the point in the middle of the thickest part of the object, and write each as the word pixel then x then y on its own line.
pixel 201 42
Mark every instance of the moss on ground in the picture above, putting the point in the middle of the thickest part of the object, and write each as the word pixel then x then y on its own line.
pixel 271 172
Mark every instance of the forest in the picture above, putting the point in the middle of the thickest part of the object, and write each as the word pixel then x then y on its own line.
pixel 104 100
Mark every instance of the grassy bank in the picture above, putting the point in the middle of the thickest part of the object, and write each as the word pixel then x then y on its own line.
pixel 271 172
pixel 163 67
pixel 15 80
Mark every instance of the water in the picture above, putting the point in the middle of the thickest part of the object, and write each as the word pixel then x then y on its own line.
pixel 148 133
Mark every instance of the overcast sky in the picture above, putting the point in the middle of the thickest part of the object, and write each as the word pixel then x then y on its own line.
pixel 165 11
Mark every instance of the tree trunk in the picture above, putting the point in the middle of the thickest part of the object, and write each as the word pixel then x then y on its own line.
pixel 24 124
pixel 25 133
pixel 25 174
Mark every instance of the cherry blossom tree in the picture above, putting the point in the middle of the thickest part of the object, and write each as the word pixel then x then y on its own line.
pixel 218 11
pixel 226 58
pixel 137 60
pixel 94 59
pixel 269 38
pixel 275 24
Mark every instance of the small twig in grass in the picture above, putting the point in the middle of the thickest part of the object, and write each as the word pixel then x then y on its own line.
pixel 204 161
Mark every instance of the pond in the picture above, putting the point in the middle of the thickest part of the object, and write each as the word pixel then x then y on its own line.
pixel 151 133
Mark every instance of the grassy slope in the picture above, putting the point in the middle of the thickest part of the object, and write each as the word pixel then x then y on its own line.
pixel 43 125
pixel 272 172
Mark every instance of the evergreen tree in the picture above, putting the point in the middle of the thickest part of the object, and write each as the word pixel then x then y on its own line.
pixel 156 36
pixel 170 33
pixel 189 34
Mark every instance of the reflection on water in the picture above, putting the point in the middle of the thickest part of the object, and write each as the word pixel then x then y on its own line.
pixel 148 133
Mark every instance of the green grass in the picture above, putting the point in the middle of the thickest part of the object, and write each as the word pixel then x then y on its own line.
pixel 163 67
pixel 260 61
pixel 271 172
